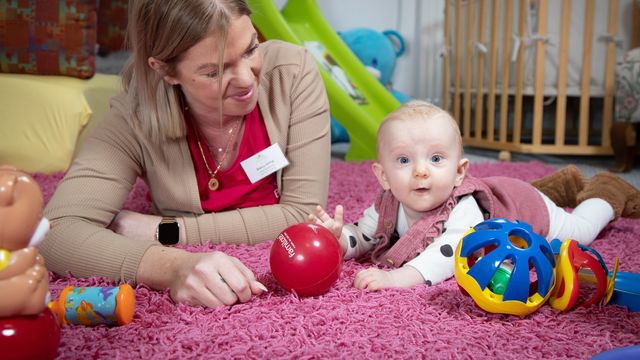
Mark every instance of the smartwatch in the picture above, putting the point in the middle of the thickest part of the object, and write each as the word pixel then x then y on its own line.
pixel 168 231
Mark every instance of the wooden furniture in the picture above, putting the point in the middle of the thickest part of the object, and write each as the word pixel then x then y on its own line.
pixel 526 76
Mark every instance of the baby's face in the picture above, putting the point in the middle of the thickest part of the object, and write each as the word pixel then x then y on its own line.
pixel 420 161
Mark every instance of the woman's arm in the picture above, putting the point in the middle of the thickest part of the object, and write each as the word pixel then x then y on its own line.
pixel 80 243
pixel 85 202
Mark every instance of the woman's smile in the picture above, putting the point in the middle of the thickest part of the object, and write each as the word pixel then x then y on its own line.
pixel 243 95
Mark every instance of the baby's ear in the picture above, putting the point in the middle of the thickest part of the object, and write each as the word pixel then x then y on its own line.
pixel 461 172
pixel 378 170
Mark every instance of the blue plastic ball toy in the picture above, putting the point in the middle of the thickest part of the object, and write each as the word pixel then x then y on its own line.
pixel 505 267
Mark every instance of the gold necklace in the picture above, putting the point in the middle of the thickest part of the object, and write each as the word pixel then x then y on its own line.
pixel 213 182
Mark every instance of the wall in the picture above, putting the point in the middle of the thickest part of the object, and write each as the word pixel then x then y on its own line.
pixel 419 71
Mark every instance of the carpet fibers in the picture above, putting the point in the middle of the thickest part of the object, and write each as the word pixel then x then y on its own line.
pixel 423 322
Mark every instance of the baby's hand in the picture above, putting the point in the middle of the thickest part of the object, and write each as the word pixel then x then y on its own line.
pixel 375 279
pixel 322 218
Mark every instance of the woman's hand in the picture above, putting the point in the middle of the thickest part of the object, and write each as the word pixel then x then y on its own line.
pixel 214 279
pixel 199 279
pixel 376 279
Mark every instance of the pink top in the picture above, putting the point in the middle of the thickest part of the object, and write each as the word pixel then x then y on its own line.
pixel 500 196
pixel 235 190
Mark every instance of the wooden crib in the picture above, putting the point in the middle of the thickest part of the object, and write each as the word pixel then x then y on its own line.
pixel 535 76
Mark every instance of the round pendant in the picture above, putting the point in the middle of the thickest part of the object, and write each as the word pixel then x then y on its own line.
pixel 213 184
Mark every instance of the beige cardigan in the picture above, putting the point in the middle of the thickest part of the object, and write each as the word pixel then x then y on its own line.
pixel 295 109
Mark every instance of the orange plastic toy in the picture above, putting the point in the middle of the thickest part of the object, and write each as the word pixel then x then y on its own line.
pixel 95 305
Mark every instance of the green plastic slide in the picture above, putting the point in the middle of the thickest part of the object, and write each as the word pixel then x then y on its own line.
pixel 357 100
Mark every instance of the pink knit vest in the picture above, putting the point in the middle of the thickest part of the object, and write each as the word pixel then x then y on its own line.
pixel 500 196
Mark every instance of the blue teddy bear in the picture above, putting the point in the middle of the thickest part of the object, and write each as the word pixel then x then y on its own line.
pixel 378 52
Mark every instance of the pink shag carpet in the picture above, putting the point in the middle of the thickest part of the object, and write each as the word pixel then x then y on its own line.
pixel 423 322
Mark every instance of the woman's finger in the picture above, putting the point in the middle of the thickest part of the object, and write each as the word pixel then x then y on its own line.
pixel 238 279
pixel 208 299
pixel 258 288
pixel 221 288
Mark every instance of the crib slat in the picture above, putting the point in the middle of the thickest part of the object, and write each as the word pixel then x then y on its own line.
pixel 468 71
pixel 493 58
pixel 587 34
pixel 542 149
pixel 635 26
pixel 517 122
pixel 456 68
pixel 538 98
pixel 563 60
pixel 481 88
pixel 506 45
pixel 609 74
pixel 445 56
pixel 480 74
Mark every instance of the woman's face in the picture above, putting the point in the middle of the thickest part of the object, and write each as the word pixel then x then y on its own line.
pixel 197 72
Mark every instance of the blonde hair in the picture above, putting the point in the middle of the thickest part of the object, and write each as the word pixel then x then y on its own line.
pixel 418 109
pixel 164 30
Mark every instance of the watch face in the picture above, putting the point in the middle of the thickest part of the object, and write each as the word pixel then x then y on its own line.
pixel 168 233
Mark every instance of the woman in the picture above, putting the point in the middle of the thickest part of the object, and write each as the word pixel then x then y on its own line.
pixel 200 96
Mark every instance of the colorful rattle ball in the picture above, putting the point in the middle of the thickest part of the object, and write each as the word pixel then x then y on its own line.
pixel 505 267
pixel 578 263
pixel 306 259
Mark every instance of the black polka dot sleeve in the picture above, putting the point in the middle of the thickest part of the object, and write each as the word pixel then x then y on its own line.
pixel 435 263
pixel 360 234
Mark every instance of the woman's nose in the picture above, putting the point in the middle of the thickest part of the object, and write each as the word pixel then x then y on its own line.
pixel 243 74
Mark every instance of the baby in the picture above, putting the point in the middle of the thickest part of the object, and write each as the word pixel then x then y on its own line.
pixel 429 202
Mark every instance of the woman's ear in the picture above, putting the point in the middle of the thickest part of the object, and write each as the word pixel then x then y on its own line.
pixel 461 172
pixel 378 170
pixel 160 67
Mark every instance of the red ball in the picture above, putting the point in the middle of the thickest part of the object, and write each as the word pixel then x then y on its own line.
pixel 306 259
pixel 29 337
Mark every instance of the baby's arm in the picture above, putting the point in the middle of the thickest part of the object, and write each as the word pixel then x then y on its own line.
pixel 435 263
pixel 355 239
pixel 374 278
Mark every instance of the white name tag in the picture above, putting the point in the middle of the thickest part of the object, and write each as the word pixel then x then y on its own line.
pixel 264 163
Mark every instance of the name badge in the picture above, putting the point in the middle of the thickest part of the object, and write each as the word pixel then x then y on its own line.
pixel 264 163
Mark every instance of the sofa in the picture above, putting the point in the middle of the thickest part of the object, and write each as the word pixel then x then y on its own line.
pixel 43 118
pixel 50 92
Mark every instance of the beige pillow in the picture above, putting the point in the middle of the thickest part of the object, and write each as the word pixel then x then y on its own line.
pixel 41 117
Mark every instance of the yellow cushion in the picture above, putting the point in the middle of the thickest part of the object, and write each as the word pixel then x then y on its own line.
pixel 42 116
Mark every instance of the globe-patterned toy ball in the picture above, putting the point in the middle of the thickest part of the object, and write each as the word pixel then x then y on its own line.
pixel 505 267
pixel 306 259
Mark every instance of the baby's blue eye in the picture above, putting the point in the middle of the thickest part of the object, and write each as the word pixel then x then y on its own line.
pixel 403 160
pixel 436 158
